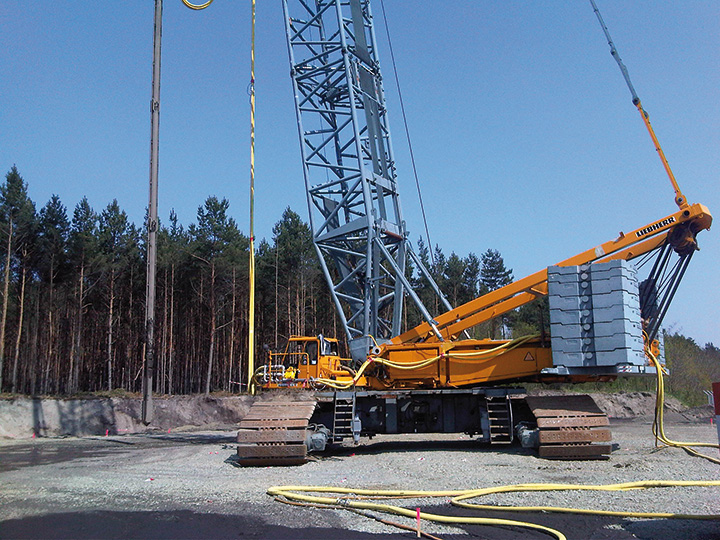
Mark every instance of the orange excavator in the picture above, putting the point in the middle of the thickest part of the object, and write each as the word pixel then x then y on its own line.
pixel 604 320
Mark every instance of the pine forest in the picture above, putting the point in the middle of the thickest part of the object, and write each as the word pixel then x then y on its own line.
pixel 73 297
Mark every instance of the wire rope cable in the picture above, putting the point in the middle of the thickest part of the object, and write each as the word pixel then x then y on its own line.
pixel 407 133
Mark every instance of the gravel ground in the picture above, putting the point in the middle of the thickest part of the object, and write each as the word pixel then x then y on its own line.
pixel 184 485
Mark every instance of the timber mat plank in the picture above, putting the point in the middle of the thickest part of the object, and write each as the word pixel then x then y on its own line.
pixel 272 451
pixel 274 423
pixel 589 451
pixel 573 421
pixel 575 435
pixel 271 436
pixel 565 405
pixel 266 411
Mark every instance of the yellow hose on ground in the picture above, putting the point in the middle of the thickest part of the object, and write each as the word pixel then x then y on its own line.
pixel 290 493
pixel 627 486
pixel 659 422
pixel 354 499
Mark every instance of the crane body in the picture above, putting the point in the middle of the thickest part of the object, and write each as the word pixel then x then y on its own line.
pixel 433 377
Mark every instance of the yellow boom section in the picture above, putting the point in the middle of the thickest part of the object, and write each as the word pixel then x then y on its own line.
pixel 679 228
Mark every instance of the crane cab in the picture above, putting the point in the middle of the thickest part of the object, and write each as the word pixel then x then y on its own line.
pixel 304 359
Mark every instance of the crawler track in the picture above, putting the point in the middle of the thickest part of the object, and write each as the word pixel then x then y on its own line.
pixel 274 433
pixel 571 427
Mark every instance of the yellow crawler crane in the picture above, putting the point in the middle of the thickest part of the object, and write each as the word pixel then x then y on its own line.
pixel 428 379
pixel 417 382
pixel 604 322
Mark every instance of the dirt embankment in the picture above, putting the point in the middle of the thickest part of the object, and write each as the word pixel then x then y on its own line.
pixel 642 405
pixel 22 418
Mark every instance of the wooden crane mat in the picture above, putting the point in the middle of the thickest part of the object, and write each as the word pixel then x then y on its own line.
pixel 571 427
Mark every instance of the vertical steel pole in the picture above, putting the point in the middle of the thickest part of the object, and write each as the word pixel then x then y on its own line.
pixel 716 401
pixel 251 315
pixel 152 225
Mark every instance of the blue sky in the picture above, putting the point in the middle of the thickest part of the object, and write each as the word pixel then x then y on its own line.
pixel 525 137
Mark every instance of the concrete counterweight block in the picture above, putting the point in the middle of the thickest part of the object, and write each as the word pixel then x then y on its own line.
pixel 595 316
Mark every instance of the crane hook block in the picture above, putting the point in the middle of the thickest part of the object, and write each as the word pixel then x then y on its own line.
pixel 197 6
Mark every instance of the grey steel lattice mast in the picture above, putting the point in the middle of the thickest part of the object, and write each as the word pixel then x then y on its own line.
pixel 349 167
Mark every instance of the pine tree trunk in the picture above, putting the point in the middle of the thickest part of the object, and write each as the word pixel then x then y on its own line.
pixel 129 367
pixel 189 350
pixel 298 326
pixel 46 379
pixel 231 361
pixel 405 323
pixel 34 348
pixel 51 330
pixel 163 347
pixel 110 329
pixel 301 304
pixel 81 311
pixel 72 322
pixel 213 325
pixel 20 327
pixel 77 351
pixel 70 385
pixel 313 307
pixel 6 288
pixel 289 318
pixel 171 342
